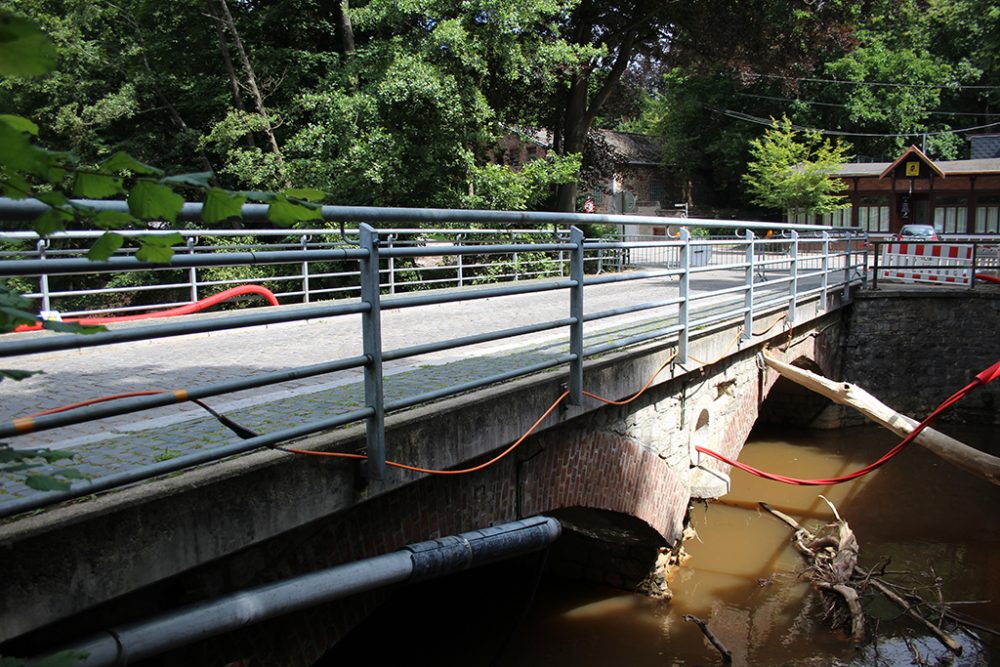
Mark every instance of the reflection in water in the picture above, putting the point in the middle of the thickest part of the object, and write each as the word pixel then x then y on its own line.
pixel 742 577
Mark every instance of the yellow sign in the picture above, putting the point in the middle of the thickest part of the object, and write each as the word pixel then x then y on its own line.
pixel 912 168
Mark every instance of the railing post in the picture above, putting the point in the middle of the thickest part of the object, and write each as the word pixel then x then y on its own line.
pixel 576 312
pixel 874 264
pixel 304 242
pixel 848 265
pixel 392 265
pixel 461 265
pixel 43 280
pixel 748 286
pixel 192 272
pixel 824 282
pixel 793 285
pixel 972 268
pixel 517 259
pixel 371 332
pixel 684 312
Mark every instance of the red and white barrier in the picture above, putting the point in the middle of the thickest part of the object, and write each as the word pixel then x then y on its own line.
pixel 927 263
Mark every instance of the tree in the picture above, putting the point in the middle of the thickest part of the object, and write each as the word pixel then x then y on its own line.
pixel 790 170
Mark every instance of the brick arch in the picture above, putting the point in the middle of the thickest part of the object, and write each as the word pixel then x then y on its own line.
pixel 606 471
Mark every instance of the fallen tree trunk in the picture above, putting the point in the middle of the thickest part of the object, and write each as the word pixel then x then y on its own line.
pixel 953 451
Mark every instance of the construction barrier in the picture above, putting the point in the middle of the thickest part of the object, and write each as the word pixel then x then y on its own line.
pixel 927 263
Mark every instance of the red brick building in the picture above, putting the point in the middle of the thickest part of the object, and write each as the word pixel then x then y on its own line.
pixel 956 196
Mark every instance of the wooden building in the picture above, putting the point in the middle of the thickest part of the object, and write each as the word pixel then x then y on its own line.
pixel 956 196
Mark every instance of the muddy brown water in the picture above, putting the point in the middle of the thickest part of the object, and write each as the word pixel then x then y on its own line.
pixel 742 577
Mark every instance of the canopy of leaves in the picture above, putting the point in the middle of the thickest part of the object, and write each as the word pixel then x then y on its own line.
pixel 789 170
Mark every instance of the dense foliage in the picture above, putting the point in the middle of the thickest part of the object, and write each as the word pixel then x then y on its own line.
pixel 921 72
pixel 402 103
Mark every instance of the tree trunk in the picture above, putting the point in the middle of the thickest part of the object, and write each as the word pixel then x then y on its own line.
pixel 227 17
pixel 953 451
pixel 227 61
pixel 344 29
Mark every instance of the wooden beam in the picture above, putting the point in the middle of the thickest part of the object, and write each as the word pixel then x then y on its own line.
pixel 953 451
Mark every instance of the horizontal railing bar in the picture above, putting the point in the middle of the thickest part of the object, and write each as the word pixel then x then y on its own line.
pixel 180 260
pixel 454 297
pixel 631 340
pixel 427 348
pixel 440 251
pixel 719 317
pixel 626 277
pixel 34 345
pixel 625 310
pixel 476 384
pixel 719 292
pixel 119 479
pixel 25 209
pixel 175 396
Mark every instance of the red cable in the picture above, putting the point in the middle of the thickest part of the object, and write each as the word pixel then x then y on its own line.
pixel 202 304
pixel 985 377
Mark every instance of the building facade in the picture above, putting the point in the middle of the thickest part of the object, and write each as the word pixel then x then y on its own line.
pixel 955 196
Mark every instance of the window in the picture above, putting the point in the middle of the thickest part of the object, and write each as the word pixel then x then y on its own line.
pixel 839 218
pixel 951 214
pixel 873 214
pixel 987 215
pixel 656 191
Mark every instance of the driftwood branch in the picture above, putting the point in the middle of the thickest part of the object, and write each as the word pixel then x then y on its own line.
pixel 953 451
pixel 840 573
pixel 912 612
pixel 727 655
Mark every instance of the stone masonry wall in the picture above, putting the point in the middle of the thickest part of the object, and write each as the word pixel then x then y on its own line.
pixel 913 349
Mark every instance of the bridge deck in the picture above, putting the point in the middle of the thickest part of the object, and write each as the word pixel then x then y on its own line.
pixel 132 441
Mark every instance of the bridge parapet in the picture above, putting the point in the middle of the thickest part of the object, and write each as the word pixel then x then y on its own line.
pixel 87 553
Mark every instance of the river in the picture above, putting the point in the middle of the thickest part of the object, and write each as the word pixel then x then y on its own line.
pixel 741 575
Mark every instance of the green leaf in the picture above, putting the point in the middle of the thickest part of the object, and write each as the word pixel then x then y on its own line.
pixel 15 187
pixel 46 483
pixel 221 205
pixel 16 374
pixel 24 49
pixel 54 199
pixel 307 194
pixel 113 219
pixel 200 180
pixel 52 220
pixel 122 161
pixel 20 123
pixel 97 186
pixel 20 156
pixel 284 213
pixel 72 327
pixel 105 246
pixel 256 195
pixel 153 201
pixel 71 473
pixel 158 249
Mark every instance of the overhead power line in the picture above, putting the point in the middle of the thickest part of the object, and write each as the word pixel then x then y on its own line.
pixel 739 115
pixel 844 106
pixel 881 84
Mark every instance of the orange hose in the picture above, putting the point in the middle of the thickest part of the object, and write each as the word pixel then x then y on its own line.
pixel 92 401
pixel 429 471
pixel 202 304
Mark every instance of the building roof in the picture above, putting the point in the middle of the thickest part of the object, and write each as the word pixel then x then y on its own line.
pixel 638 149
pixel 947 167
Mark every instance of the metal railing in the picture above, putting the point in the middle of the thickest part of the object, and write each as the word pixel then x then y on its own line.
pixel 762 275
